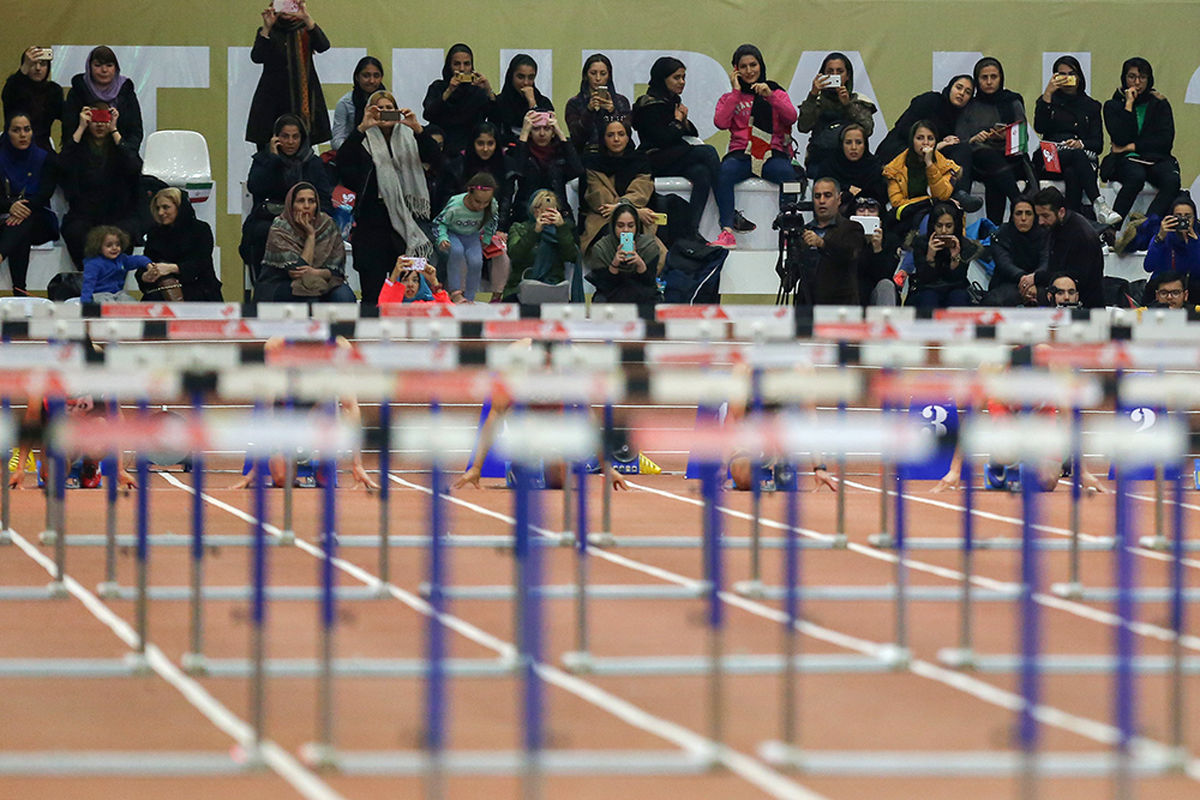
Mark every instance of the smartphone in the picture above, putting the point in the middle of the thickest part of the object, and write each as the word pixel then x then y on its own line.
pixel 541 119
pixel 602 93
pixel 44 54
pixel 464 77
pixel 413 263
pixel 660 218
pixel 286 6
pixel 1070 80
pixel 101 115
pixel 626 241
pixel 945 238
pixel 390 116
pixel 832 81
pixel 869 224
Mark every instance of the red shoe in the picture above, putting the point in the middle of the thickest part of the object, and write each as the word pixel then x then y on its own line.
pixel 726 240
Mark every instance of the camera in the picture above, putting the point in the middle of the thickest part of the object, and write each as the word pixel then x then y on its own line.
pixel 832 81
pixel 101 115
pixel 1182 223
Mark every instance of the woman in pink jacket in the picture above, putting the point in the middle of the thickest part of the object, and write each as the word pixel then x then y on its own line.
pixel 759 116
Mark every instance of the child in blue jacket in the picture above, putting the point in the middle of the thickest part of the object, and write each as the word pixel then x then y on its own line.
pixel 105 264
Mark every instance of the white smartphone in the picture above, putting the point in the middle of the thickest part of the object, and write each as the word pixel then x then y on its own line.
pixel 869 224
pixel 413 263
pixel 286 6
pixel 832 81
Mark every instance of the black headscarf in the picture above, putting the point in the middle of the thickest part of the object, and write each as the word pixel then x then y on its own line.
pixel 761 114
pixel 1080 80
pixel 918 183
pixel 946 119
pixel 1143 67
pixel 1004 100
pixel 358 95
pixel 293 166
pixel 624 166
pixel 864 172
pixel 511 105
pixel 847 81
pixel 1026 247
pixel 662 69
pixel 494 166
pixel 447 70
pixel 585 86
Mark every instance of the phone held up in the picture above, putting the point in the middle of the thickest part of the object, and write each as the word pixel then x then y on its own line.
pixel 602 93
pixel 832 81
pixel 390 116
pixel 627 242
pixel 101 115
pixel 286 6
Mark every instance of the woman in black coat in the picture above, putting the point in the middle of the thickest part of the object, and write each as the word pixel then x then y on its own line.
pixel 30 90
pixel 27 180
pixel 483 154
pixel 102 82
pixel 544 158
pixel 460 100
pixel 1141 126
pixel 984 124
pixel 179 245
pixel 1019 248
pixel 284 45
pixel 518 97
pixel 856 169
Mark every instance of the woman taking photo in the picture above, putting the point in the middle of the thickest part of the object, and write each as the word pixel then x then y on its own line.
pixel 368 79
pixel 856 169
pixel 1066 116
pixel 381 162
pixel 289 84
pixel 758 115
pixel 830 106
pixel 305 260
pixel 1141 128
pixel 543 159
pixel 460 100
pixel 102 82
pixel 181 248
pixel 518 97
pixel 597 104
pixel 919 177
pixel 1020 248
pixel 27 180
pixel 624 261
pixel 31 91
pixel 984 124
pixel 617 174
pixel 940 261
pixel 670 140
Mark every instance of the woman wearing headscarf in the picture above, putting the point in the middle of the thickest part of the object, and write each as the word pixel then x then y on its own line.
pixel 615 175
pixel 831 105
pixel 984 123
pixel 597 104
pixel 305 259
pixel 542 245
pixel 284 45
pixel 27 180
pixel 664 130
pixel 368 79
pixel 519 96
pixel 483 154
pixel 543 159
pixel 381 161
pixel 181 246
pixel 758 115
pixel 941 260
pixel 102 82
pixel 1019 248
pixel 460 100
pixel 31 91
pixel 622 274
pixel 856 169
pixel 917 178
pixel 1141 127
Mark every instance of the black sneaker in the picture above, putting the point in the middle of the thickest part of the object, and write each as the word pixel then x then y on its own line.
pixel 741 224
pixel 967 202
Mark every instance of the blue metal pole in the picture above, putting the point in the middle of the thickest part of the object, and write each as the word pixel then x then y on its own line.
pixel 528 553
pixel 143 537
pixel 1030 622
pixel 1125 714
pixel 435 688
pixel 385 490
pixel 711 478
pixel 791 608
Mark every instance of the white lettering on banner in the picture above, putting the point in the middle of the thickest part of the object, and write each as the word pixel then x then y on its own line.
pixel 412 70
pixel 706 80
pixel 150 67
pixel 947 64
pixel 1193 96
pixel 807 68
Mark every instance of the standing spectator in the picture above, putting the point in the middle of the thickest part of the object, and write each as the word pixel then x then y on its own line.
pixel 856 169
pixel 984 125
pixel 519 96
pixel 31 91
pixel 284 45
pixel 917 178
pixel 27 180
pixel 590 112
pixel 305 259
pixel 1074 245
pixel 1175 247
pixel 758 115
pixel 670 140
pixel 1141 127
pixel 830 106
pixel 460 100
pixel 625 273
pixel 467 223
pixel 100 174
pixel 1068 117
pixel 1020 250
pixel 617 174
pixel 182 246
pixel 543 159
pixel 381 162
pixel 102 82
pixel 940 261
pixel 368 79
pixel 834 244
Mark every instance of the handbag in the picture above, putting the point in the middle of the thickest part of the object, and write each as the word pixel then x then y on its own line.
pixel 166 289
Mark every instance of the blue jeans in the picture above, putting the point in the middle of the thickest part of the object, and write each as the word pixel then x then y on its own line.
pixel 735 169
pixel 465 267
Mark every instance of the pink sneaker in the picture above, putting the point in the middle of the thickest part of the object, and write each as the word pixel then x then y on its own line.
pixel 726 240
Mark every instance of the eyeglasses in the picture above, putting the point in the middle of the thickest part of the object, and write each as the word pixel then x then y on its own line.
pixel 1171 293
pixel 1134 76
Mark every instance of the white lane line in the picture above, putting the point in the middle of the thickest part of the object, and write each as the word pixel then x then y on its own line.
pixel 751 770
pixel 986 692
pixel 278 759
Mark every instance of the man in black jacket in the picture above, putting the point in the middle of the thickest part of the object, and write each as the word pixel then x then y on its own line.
pixel 831 263
pixel 1074 246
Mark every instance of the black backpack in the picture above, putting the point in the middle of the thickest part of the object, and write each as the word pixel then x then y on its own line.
pixel 693 272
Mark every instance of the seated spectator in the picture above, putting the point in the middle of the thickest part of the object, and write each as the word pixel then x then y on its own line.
pixel 1175 247
pixel 984 125
pixel 830 106
pixel 941 260
pixel 287 160
pixel 942 109
pixel 541 246
pixel 305 261
pixel 855 168
pixel 1168 290
pixel 464 227
pixel 27 180
pixel 102 82
pixel 1060 291
pixel 518 97
pixel 616 174
pixel 1074 246
pixel 30 91
pixel 1141 128
pixel 670 140
pixel 368 79
pixel 460 100
pixel 411 283
pixel 100 174
pixel 876 264
pixel 1020 250
pixel 1066 116
pixel 180 246
pixel 917 178
pixel 543 159
pixel 381 162
pixel 758 115
pixel 597 105
pixel 289 84
pixel 834 244
pixel 625 270
pixel 105 265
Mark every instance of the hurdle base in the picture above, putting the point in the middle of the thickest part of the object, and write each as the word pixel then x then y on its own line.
pixel 108 589
pixel 604 539
pixel 894 656
pixel 1158 543
pixel 957 657
pixel 249 757
pixel 752 588
pixel 194 663
pixel 6 536
pixel 48 537
pixel 839 542
pixel 320 757
pixel 883 541
pixel 1072 590
pixel 56 589
pixel 287 537
pixel 578 662
pixel 138 663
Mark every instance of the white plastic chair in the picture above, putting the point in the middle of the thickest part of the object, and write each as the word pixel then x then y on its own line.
pixel 180 159
pixel 21 307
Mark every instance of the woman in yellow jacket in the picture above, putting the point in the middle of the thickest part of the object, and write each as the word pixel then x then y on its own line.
pixel 919 177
